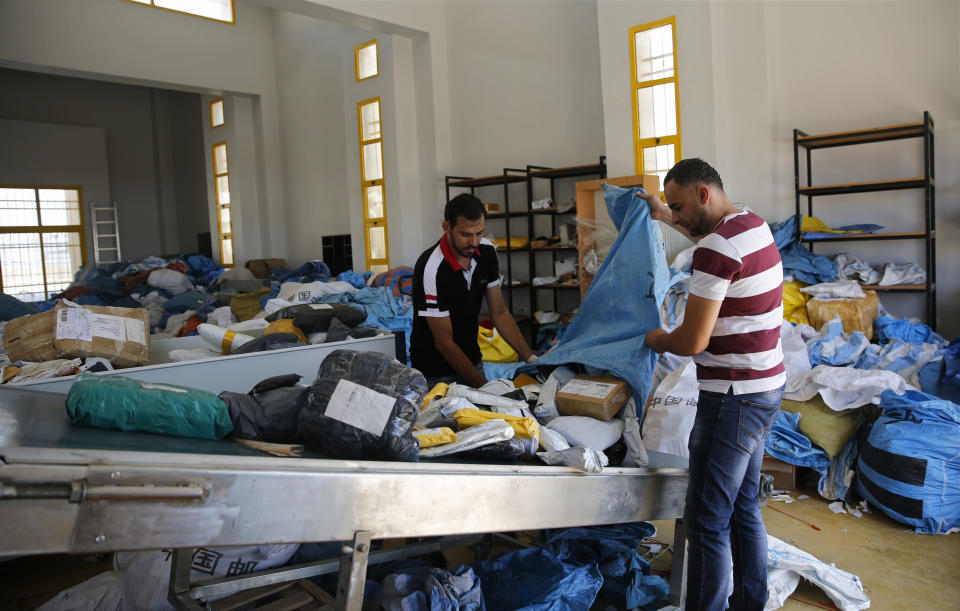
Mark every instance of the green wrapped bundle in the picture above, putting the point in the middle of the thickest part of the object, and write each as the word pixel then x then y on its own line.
pixel 115 402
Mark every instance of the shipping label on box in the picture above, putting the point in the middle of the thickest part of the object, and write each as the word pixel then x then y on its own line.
pixel 596 397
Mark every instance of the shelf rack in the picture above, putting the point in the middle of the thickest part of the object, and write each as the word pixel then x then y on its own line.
pixel 924 130
pixel 553 175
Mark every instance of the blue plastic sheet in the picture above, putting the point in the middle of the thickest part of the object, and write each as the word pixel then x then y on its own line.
pixel 536 580
pixel 623 301
pixel 798 261
pixel 862 228
pixel 374 301
pixel 788 444
pixel 432 589
pixel 626 575
pixel 889 328
pixel 910 465
pixel 311 271
pixel 11 307
pixel 951 361
pixel 356 280
pixel 191 300
pixel 835 347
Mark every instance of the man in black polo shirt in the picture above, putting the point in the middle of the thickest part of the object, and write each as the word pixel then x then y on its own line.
pixel 450 281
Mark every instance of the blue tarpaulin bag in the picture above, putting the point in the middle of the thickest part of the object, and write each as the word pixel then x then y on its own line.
pixel 613 548
pixel 623 301
pixel 536 580
pixel 909 466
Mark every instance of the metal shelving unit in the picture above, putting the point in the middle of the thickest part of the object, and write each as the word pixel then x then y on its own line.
pixel 553 175
pixel 924 130
pixel 505 179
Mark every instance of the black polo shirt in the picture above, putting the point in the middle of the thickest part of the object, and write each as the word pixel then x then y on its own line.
pixel 442 287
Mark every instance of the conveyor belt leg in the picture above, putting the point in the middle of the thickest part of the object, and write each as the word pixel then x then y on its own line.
pixel 179 590
pixel 678 567
pixel 353 572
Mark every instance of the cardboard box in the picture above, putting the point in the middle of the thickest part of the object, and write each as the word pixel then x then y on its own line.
pixel 784 474
pixel 596 397
pixel 120 335
pixel 491 207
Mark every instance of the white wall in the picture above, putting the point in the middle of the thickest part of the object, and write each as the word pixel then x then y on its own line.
pixel 312 122
pixel 56 155
pixel 751 72
pixel 143 128
pixel 127 43
pixel 524 84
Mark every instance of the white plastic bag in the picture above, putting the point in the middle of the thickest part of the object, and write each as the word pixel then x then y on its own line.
pixel 546 409
pixel 146 575
pixel 101 593
pixel 474 437
pixel 787 564
pixel 671 412
pixel 169 279
pixel 479 397
pixel 636 449
pixel 579 457
pixel 588 432
pixel 552 441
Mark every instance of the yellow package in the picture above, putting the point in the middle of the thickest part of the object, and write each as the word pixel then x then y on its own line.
pixel 435 437
pixel 285 325
pixel 515 242
pixel 523 427
pixel 493 348
pixel 795 302
pixel 440 390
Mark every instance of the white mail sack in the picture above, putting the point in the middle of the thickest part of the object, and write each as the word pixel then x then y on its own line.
pixel 671 412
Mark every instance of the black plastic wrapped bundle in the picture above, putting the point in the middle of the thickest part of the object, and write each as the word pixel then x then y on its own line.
pixel 269 412
pixel 362 406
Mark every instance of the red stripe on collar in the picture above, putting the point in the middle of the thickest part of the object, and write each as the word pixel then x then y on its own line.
pixel 448 254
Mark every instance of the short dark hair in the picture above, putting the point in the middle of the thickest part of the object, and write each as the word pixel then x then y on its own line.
pixel 693 171
pixel 466 206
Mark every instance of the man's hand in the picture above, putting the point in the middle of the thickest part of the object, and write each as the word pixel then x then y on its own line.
pixel 659 211
pixel 652 340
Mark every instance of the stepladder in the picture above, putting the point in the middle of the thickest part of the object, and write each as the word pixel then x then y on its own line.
pixel 106 232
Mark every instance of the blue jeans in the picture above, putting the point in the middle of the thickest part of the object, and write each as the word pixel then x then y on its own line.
pixel 722 516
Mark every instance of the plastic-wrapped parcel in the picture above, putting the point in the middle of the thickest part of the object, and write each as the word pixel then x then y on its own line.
pixel 268 412
pixel 116 402
pixel 362 406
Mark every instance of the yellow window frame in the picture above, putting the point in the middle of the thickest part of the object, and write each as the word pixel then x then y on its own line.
pixel 635 86
pixel 369 223
pixel 223 112
pixel 151 4
pixel 356 60
pixel 41 229
pixel 221 236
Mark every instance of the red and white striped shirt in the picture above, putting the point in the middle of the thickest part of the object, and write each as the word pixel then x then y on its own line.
pixel 738 263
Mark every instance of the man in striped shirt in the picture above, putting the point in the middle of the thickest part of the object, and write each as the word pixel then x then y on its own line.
pixel 731 326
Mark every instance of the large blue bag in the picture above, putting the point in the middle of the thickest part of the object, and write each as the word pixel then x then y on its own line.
pixel 535 580
pixel 910 465
pixel 623 301
pixel 613 548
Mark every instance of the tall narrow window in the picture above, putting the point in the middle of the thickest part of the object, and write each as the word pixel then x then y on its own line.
pixel 656 104
pixel 374 198
pixel 218 10
pixel 221 177
pixel 216 113
pixel 41 240
pixel 365 56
